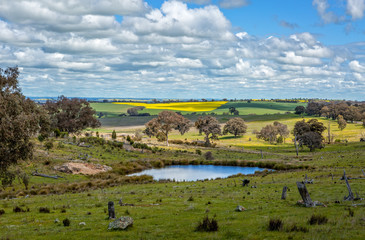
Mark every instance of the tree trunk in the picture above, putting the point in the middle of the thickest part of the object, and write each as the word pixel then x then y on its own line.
pixel 283 194
pixel 296 145
pixel 329 132
pixel 304 194
pixel 207 142
pixel 111 210
pixel 167 139
pixel 350 197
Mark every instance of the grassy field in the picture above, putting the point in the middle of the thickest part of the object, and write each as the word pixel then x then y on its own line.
pixel 172 210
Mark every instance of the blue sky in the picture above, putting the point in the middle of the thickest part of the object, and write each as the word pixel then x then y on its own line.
pixel 186 49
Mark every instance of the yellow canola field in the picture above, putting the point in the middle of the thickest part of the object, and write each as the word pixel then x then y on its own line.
pixel 180 106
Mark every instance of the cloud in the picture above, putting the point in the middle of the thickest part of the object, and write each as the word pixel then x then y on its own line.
pixel 357 67
pixel 200 2
pixel 356 8
pixel 229 4
pixel 172 51
pixel 288 24
pixel 327 16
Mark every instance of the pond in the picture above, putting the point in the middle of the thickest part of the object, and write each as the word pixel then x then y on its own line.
pixel 196 172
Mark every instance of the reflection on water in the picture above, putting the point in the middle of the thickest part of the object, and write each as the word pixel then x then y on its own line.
pixel 196 172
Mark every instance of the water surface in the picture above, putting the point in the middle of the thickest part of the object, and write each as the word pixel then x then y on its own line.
pixel 196 172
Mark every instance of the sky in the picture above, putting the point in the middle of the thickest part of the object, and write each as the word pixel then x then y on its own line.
pixel 186 49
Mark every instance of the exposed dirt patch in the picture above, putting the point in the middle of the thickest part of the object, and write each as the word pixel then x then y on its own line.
pixel 82 168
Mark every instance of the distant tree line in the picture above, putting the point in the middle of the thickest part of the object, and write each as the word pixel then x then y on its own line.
pixel 350 111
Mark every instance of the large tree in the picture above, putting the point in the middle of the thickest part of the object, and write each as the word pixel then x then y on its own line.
pixel 210 127
pixel 71 115
pixel 235 126
pixel 165 123
pixel 270 132
pixel 299 110
pixel 20 119
pixel 309 133
pixel 341 122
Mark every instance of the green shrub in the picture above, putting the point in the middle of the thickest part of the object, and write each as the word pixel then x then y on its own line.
pixel 66 222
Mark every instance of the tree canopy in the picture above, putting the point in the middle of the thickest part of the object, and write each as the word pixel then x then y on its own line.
pixel 235 126
pixel 210 127
pixel 71 115
pixel 309 133
pixel 20 119
pixel 274 133
pixel 165 123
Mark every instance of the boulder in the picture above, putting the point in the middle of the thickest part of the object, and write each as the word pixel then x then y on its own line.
pixel 239 208
pixel 121 223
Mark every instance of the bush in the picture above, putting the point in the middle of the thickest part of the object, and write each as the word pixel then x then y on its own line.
pixel 207 225
pixel 41 137
pixel 198 151
pixel 209 156
pixel 275 224
pixel 66 222
pixel 48 145
pixel 57 133
pixel 2 211
pixel 317 219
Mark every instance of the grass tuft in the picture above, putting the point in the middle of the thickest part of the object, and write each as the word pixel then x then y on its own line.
pixel 207 225
pixel 275 224
pixel 317 219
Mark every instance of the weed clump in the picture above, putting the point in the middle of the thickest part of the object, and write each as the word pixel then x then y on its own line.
pixel 351 212
pixel 207 225
pixel 2 211
pixel 296 228
pixel 275 224
pixel 66 222
pixel 17 209
pixel 317 219
pixel 44 210
pixel 190 199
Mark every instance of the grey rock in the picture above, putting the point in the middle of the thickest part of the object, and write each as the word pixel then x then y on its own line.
pixel 56 220
pixel 239 208
pixel 121 223
pixel 82 223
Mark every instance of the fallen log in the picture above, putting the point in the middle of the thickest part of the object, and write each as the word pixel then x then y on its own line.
pixel 44 175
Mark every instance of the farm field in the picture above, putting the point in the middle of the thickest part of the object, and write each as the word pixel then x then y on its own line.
pixel 250 111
